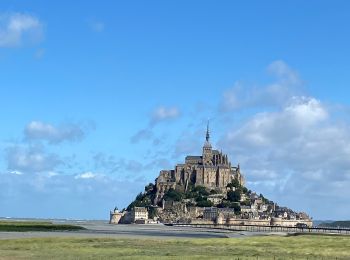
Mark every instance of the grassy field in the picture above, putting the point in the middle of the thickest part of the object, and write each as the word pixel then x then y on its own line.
pixel 23 226
pixel 297 247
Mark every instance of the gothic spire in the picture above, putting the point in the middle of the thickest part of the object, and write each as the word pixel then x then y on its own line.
pixel 207 137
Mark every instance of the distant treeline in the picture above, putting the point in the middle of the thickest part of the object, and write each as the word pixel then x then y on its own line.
pixel 341 224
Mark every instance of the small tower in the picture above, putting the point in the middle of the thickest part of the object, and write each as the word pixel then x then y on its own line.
pixel 115 216
pixel 207 148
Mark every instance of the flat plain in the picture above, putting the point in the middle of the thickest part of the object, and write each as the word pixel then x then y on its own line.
pixel 266 247
pixel 98 240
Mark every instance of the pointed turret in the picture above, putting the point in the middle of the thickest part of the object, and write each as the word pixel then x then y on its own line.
pixel 207 143
pixel 207 137
pixel 207 149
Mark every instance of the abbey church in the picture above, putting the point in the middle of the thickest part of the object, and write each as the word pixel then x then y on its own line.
pixel 212 170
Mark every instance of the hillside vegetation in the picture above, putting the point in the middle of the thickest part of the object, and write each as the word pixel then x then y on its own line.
pixel 197 196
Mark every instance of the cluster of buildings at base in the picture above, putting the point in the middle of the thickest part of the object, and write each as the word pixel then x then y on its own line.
pixel 214 171
pixel 177 212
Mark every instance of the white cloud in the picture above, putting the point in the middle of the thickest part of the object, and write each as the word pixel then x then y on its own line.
pixel 164 113
pixel 159 115
pixel 294 153
pixel 64 195
pixel 17 29
pixel 86 175
pixel 281 70
pixel 16 172
pixel 231 99
pixel 37 130
pixel 287 84
pixel 188 144
pixel 30 159
pixel 143 134
pixel 110 164
pixel 268 128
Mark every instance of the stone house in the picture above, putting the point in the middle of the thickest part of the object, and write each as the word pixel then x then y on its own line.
pixel 139 213
pixel 216 198
pixel 210 213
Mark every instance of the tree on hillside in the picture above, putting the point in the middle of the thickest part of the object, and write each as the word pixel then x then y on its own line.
pixel 173 195
pixel 233 184
pixel 204 203
pixel 234 196
pixel 201 190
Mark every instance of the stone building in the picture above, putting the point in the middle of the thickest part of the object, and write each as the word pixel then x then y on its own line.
pixel 115 216
pixel 216 198
pixel 212 170
pixel 210 213
pixel 139 214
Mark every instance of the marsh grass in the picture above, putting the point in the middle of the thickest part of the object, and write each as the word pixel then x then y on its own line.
pixel 297 247
pixel 26 226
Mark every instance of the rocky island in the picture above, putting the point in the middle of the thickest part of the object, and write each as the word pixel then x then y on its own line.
pixel 206 189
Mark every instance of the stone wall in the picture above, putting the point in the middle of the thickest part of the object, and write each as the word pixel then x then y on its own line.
pixel 290 223
pixel 253 222
pixel 114 217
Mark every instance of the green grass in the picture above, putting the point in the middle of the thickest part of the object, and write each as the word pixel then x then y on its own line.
pixel 297 247
pixel 23 226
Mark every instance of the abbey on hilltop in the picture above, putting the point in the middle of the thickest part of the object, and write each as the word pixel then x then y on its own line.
pixel 206 189
pixel 212 170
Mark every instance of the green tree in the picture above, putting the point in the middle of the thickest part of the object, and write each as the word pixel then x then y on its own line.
pixel 201 190
pixel 173 195
pixel 150 188
pixel 236 207
pixel 139 196
pixel 204 203
pixel 152 212
pixel 233 184
pixel 224 204
pixel 234 196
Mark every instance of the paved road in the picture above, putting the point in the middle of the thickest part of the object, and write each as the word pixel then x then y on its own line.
pixel 104 230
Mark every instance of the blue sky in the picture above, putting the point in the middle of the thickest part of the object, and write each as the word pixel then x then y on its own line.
pixel 98 96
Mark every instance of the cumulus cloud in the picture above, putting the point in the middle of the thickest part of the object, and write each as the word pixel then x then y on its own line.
pixel 17 29
pixel 187 143
pixel 281 70
pixel 159 115
pixel 268 128
pixel 111 164
pixel 64 195
pixel 37 130
pixel 286 84
pixel 295 152
pixel 30 159
pixel 86 175
pixel 158 164
pixel 16 172
pixel 143 134
pixel 164 113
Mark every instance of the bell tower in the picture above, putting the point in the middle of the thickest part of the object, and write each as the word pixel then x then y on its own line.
pixel 207 149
